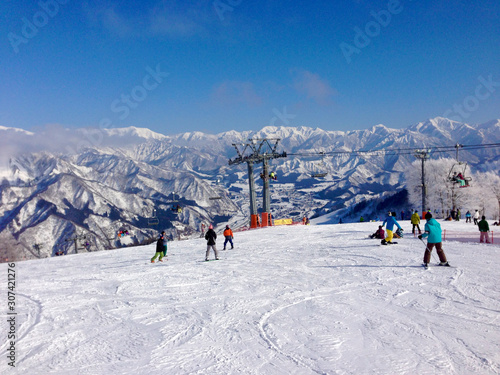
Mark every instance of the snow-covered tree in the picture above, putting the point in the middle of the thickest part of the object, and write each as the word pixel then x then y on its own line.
pixel 442 195
pixel 487 194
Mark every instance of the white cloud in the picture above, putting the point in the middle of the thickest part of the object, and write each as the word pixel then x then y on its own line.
pixel 313 86
pixel 236 92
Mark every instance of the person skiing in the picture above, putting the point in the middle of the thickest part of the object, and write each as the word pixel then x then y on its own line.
pixel 390 221
pixel 476 217
pixel 468 217
pixel 432 231
pixel 228 234
pixel 211 236
pixel 159 251
pixel 484 228
pixel 415 221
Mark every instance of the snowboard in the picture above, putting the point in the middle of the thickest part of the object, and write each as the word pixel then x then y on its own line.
pixel 386 243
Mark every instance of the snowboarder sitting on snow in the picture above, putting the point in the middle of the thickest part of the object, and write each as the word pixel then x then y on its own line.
pixel 211 236
pixel 390 221
pixel 433 232
pixel 380 233
pixel 228 234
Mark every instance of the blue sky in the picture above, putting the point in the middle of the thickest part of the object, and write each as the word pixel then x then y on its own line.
pixel 213 66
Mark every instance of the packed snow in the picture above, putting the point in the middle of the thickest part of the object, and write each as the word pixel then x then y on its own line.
pixel 316 299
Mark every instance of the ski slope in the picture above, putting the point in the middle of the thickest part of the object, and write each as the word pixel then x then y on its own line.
pixel 317 299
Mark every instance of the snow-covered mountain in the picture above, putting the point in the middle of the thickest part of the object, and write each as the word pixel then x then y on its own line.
pixel 86 186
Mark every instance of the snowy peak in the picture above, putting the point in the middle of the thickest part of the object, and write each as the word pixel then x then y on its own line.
pixel 15 130
pixel 132 131
pixel 448 130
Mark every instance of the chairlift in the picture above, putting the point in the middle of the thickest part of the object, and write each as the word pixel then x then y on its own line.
pixel 318 175
pixel 457 172
pixel 123 231
pixel 153 220
pixel 176 209
pixel 319 169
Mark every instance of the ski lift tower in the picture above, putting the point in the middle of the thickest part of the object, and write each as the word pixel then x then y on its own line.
pixel 260 150
pixel 423 155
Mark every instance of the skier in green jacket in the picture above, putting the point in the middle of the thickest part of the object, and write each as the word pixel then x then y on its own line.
pixel 484 228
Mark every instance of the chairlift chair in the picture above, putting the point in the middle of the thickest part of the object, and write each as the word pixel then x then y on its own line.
pixel 153 220
pixel 459 167
pixel 317 173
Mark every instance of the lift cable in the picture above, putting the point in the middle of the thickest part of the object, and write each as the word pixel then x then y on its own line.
pixel 400 151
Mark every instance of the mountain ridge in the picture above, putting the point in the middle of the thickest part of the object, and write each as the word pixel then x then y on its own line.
pixel 135 176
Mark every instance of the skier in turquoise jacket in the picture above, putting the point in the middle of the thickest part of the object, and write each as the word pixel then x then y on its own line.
pixel 433 235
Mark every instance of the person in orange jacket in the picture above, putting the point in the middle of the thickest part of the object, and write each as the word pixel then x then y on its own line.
pixel 228 233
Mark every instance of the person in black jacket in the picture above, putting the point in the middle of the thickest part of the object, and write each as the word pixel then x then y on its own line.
pixel 211 236
pixel 159 251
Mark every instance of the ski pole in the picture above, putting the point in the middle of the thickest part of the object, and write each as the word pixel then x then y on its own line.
pixel 427 249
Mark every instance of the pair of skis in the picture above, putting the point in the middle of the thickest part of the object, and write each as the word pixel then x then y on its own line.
pixel 427 265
